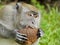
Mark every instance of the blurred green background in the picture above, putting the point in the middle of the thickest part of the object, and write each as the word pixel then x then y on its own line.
pixel 50 24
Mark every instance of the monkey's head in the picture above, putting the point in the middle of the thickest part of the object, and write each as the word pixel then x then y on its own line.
pixel 29 15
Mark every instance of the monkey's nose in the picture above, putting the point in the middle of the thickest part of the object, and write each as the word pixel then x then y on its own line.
pixel 32 22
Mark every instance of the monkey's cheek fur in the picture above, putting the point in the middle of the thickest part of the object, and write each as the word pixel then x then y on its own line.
pixel 31 35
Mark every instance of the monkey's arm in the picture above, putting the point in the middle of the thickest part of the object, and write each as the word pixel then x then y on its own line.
pixel 7 28
pixel 6 33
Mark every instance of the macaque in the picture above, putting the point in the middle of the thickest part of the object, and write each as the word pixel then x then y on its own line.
pixel 16 16
pixel 8 21
pixel 30 16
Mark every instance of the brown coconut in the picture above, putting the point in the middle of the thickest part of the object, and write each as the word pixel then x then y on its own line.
pixel 31 34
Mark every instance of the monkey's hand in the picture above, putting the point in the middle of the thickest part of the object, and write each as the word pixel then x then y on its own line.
pixel 20 38
pixel 40 33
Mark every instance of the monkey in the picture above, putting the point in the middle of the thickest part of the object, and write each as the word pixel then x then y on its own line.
pixel 16 16
pixel 8 22
pixel 30 16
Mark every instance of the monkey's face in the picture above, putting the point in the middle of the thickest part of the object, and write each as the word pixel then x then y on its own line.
pixel 30 18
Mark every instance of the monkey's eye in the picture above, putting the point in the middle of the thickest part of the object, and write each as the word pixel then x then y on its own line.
pixel 35 16
pixel 29 15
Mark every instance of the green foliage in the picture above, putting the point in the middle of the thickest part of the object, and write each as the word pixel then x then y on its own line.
pixel 1 6
pixel 50 24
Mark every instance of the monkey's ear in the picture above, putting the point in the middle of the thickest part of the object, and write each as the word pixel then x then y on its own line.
pixel 17 6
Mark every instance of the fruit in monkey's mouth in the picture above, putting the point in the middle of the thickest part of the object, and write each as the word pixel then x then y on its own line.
pixel 31 34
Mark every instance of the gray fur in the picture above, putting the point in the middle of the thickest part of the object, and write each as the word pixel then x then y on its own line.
pixel 13 20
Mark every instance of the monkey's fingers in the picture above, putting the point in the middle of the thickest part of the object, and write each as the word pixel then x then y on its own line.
pixel 21 37
pixel 24 35
pixel 40 33
pixel 18 40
